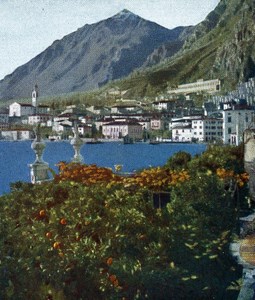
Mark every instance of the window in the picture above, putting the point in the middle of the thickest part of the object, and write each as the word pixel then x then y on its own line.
pixel 229 119
pixel 229 130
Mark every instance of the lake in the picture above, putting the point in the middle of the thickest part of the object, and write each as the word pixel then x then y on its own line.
pixel 16 156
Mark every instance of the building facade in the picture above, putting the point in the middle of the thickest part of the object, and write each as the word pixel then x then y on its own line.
pixel 39 118
pixel 20 109
pixel 235 122
pixel 207 86
pixel 201 129
pixel 117 130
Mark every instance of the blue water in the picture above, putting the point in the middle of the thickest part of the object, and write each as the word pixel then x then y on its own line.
pixel 15 157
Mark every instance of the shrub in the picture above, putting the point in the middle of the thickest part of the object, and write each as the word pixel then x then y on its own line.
pixel 92 234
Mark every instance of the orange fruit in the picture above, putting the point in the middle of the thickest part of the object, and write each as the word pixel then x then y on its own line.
pixel 112 278
pixel 116 283
pixel 48 235
pixel 63 221
pixel 57 245
pixel 109 261
pixel 42 213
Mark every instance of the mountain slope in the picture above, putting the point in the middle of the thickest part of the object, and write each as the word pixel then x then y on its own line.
pixel 169 48
pixel 89 57
pixel 219 47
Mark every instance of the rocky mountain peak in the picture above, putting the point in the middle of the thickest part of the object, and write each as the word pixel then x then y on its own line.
pixel 90 57
pixel 125 13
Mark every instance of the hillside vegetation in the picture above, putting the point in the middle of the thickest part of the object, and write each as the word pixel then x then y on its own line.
pixel 219 47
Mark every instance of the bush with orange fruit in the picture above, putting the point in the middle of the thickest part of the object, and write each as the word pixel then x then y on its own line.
pixel 94 234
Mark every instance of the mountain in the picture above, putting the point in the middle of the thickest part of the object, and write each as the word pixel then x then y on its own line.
pixel 90 57
pixel 168 49
pixel 221 46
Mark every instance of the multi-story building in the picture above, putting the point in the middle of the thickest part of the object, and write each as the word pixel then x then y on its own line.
pixel 182 133
pixel 235 122
pixel 120 129
pixel 245 90
pixel 39 118
pixel 207 129
pixel 201 129
pixel 166 105
pixel 198 130
pixel 207 86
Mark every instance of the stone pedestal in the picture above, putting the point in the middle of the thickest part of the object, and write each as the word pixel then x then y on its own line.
pixel 39 169
pixel 77 143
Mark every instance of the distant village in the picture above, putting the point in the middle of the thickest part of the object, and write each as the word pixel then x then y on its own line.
pixel 172 117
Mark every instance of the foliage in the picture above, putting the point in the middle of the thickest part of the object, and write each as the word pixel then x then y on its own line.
pixel 179 160
pixel 94 234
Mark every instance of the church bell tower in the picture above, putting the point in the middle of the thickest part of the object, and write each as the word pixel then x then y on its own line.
pixel 35 96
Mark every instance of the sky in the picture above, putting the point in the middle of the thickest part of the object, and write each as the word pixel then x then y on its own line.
pixel 28 27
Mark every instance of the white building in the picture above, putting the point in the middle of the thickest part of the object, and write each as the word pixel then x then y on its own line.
pixel 207 86
pixel 43 119
pixel 20 109
pixel 14 135
pixel 62 126
pixel 207 129
pixel 235 122
pixel 198 129
pixel 201 129
pixel 162 105
pixel 17 109
pixel 100 122
pixel 182 133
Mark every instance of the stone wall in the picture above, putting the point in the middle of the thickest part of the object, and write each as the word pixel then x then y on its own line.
pixel 249 146
pixel 249 159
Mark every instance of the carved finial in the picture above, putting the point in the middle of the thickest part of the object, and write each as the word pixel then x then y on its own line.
pixel 77 143
pixel 39 169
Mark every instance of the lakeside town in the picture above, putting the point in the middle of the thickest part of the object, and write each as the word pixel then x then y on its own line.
pixel 172 117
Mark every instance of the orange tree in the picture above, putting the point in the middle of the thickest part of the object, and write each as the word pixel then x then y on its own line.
pixel 92 234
